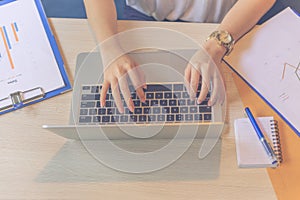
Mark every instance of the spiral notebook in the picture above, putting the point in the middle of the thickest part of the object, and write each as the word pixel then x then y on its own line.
pixel 250 152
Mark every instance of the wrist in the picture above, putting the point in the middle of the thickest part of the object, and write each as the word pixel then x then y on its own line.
pixel 215 51
pixel 110 50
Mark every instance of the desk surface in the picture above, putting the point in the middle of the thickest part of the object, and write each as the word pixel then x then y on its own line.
pixel 36 164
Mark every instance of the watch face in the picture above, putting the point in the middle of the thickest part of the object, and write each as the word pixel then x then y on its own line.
pixel 225 37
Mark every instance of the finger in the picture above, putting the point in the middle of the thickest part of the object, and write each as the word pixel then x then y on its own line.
pixel 218 91
pixel 116 95
pixel 105 87
pixel 134 76
pixel 137 82
pixel 123 84
pixel 195 76
pixel 187 77
pixel 140 92
pixel 205 82
pixel 142 76
pixel 203 92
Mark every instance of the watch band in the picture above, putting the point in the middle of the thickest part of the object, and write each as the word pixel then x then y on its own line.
pixel 224 39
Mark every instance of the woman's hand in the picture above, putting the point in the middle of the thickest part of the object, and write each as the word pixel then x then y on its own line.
pixel 116 76
pixel 204 67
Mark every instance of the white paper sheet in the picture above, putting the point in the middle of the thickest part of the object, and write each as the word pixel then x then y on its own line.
pixel 26 57
pixel 268 58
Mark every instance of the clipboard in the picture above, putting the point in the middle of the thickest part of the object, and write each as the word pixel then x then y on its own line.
pixel 31 66
pixel 273 71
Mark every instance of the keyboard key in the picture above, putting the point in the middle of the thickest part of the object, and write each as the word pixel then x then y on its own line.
pixel 136 103
pixel 85 119
pixel 142 118
pixel 188 117
pixel 115 118
pixel 95 89
pixel 170 118
pixel 172 102
pixel 177 95
pixel 178 87
pixel 98 105
pixel 87 97
pixel 87 104
pixel 127 111
pixel 101 111
pixel 83 111
pixel 179 117
pixel 185 95
pixel 86 87
pixel 93 111
pixel 161 118
pixel 133 118
pixel 156 110
pixel 165 110
pixel 198 117
pixel 154 103
pixel 207 117
pixel 110 111
pixel 168 95
pixel 193 109
pixel 96 119
pixel 191 102
pixel 151 118
pixel 159 95
pixel 138 110
pixel 184 109
pixel 108 104
pixel 174 110
pixel 149 95
pixel 163 102
pixel 133 96
pixel 203 109
pixel 105 119
pixel 124 118
pixel 205 102
pixel 146 110
pixel 181 102
pixel 158 87
pixel 146 103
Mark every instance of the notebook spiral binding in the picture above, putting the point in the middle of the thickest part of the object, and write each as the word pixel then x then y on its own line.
pixel 276 140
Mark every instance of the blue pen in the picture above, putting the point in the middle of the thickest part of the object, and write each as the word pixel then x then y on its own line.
pixel 262 138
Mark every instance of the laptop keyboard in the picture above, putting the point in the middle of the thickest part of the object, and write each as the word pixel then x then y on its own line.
pixel 165 103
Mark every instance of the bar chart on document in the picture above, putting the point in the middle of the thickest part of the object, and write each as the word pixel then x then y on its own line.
pixel 9 42
pixel 26 57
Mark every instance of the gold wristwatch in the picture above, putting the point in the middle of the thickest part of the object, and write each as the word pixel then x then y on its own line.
pixel 224 39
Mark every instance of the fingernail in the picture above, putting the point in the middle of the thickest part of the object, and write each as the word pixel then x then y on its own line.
pixel 130 106
pixel 209 103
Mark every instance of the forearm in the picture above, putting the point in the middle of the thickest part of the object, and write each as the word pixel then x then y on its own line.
pixel 244 15
pixel 102 17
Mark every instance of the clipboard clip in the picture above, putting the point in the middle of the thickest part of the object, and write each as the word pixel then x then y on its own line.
pixel 18 99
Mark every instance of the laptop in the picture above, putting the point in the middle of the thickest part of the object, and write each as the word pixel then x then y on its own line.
pixel 167 113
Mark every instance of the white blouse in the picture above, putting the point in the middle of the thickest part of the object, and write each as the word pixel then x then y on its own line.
pixel 186 10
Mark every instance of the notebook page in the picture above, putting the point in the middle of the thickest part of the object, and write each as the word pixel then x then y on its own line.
pixel 250 151
pixel 26 57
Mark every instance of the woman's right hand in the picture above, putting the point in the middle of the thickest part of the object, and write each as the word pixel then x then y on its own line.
pixel 116 76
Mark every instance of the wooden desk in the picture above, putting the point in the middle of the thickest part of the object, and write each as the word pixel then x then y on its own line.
pixel 36 164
